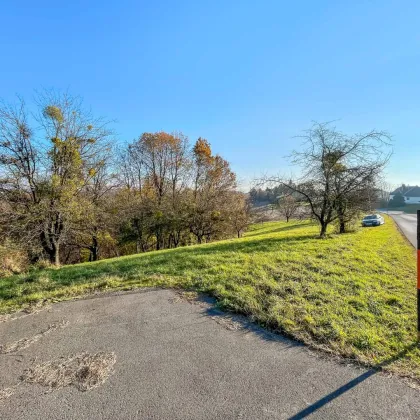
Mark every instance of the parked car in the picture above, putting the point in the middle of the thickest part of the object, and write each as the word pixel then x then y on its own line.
pixel 373 220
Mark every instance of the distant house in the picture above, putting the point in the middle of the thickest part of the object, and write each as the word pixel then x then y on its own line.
pixel 411 194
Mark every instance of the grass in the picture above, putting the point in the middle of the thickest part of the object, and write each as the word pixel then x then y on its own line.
pixel 353 295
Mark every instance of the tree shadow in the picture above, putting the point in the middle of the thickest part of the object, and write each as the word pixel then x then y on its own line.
pixel 351 384
pixel 246 326
pixel 166 262
pixel 243 325
pixel 290 226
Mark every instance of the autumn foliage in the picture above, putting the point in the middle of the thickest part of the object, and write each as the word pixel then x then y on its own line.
pixel 71 192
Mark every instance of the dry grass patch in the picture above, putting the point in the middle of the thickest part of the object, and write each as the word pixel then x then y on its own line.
pixel 6 393
pixel 84 371
pixel 26 342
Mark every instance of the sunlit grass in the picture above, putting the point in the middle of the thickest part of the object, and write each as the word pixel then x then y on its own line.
pixel 353 294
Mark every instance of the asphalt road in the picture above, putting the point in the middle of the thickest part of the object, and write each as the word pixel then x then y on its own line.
pixel 181 360
pixel 407 223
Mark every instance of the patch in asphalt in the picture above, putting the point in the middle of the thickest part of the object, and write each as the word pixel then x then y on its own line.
pixel 190 297
pixel 228 322
pixel 5 317
pixel 6 393
pixel 29 310
pixel 84 371
pixel 26 342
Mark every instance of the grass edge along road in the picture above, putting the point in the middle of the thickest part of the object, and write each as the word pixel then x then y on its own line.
pixel 352 295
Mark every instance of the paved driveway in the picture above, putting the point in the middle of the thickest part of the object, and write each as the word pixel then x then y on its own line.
pixel 407 223
pixel 172 359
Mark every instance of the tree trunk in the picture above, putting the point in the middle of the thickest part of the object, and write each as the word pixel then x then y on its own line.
pixel 51 248
pixel 176 238
pixel 342 226
pixel 94 249
pixel 158 240
pixel 56 254
pixel 341 218
pixel 323 232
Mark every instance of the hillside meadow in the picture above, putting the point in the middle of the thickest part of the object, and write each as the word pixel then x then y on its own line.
pixel 352 295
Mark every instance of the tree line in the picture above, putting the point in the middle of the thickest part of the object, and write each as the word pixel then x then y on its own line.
pixel 70 192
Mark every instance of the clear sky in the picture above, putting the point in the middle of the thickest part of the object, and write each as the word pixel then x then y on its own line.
pixel 246 75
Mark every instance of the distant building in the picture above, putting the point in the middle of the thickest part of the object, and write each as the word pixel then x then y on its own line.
pixel 411 194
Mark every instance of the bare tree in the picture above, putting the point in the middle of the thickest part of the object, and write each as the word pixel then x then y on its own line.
pixel 334 168
pixel 288 206
pixel 239 212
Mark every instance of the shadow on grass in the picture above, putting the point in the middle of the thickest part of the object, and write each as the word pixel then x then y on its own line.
pixel 349 385
pixel 245 325
pixel 291 226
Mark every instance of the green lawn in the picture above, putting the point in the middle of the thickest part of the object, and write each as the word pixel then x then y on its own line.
pixel 352 295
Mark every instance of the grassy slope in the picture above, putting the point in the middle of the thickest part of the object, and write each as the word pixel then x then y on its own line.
pixel 352 294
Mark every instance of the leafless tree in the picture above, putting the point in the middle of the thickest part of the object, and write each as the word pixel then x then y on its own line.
pixel 335 168
pixel 288 206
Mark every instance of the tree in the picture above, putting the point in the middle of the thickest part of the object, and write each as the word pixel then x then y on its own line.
pixel 64 197
pixel 159 162
pixel 214 182
pixel 397 201
pixel 92 224
pixel 288 206
pixel 240 212
pixel 384 190
pixel 45 171
pixel 335 168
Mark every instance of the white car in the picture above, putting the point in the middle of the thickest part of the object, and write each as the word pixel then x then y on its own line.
pixel 373 220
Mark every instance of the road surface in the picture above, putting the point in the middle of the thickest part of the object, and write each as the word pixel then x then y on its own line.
pixel 407 223
pixel 180 360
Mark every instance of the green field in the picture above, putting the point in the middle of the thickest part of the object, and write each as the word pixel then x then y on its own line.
pixel 351 295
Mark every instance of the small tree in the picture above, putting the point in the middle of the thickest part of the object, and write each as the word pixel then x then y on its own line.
pixel 288 206
pixel 334 168
pixel 240 212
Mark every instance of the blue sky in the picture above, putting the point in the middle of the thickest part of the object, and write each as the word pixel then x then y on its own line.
pixel 246 75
